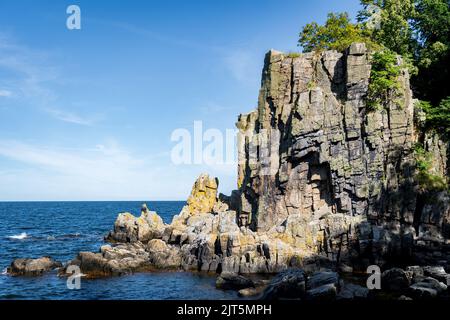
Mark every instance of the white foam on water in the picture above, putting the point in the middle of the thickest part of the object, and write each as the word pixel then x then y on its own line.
pixel 21 236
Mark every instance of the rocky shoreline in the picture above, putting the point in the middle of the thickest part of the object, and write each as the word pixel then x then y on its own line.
pixel 326 188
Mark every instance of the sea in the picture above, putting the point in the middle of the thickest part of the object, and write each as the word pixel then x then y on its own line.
pixel 62 229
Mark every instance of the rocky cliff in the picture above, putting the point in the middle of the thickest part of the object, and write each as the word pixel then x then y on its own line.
pixel 315 159
pixel 322 182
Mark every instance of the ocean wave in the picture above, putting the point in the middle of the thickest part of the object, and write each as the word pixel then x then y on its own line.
pixel 48 237
pixel 4 272
pixel 21 236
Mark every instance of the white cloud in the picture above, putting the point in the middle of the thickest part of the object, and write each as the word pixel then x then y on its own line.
pixel 70 117
pixel 5 93
pixel 31 78
pixel 102 171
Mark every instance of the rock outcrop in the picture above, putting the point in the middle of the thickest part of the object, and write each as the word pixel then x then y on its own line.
pixel 113 260
pixel 203 195
pixel 32 267
pixel 128 228
pixel 336 178
pixel 323 183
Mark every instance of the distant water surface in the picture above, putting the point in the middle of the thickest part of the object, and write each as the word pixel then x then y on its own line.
pixel 62 229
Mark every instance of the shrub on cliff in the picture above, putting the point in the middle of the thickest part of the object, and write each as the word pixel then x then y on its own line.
pixel 428 181
pixel 338 33
pixel 438 117
pixel 383 84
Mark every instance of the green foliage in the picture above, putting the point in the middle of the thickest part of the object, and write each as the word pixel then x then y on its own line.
pixel 438 117
pixel 337 34
pixel 432 25
pixel 293 55
pixel 418 30
pixel 384 86
pixel 388 21
pixel 424 164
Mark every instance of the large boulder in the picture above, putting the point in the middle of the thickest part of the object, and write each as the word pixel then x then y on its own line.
pixel 326 292
pixel 322 286
pixel 350 291
pixel 129 228
pixel 437 272
pixel 319 279
pixel 32 267
pixel 112 260
pixel 427 288
pixel 394 279
pixel 232 281
pixel 288 284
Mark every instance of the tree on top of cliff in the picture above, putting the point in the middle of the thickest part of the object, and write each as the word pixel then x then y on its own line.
pixel 419 30
pixel 338 33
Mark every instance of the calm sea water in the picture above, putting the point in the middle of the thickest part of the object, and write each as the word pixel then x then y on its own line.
pixel 62 229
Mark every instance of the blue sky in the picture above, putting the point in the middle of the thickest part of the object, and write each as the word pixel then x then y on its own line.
pixel 88 114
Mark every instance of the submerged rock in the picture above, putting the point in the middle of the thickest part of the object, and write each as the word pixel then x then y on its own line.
pixel 32 267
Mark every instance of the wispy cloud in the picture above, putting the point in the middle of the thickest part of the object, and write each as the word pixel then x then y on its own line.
pixel 213 107
pixel 242 63
pixel 101 171
pixel 70 117
pixel 31 78
pixel 5 93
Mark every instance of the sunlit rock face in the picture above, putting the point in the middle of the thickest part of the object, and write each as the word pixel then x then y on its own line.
pixel 339 178
pixel 203 196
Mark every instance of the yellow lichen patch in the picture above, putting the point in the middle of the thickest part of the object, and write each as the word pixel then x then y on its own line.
pixel 203 195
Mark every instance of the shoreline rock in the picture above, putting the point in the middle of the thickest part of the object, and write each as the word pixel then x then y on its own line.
pixel 32 267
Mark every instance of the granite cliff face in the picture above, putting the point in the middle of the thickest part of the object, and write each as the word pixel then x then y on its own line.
pixel 323 182
pixel 342 175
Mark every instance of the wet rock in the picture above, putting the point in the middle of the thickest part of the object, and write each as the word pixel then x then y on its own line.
pixel 319 279
pixel 326 292
pixel 394 279
pixel 232 281
pixel 112 260
pixel 350 291
pixel 32 267
pixel 415 273
pixel 437 272
pixel 250 292
pixel 427 288
pixel 288 284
